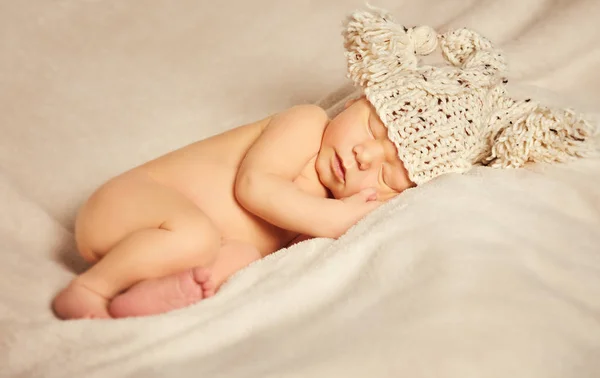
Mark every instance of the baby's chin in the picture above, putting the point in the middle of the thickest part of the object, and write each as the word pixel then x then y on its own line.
pixel 333 193
pixel 340 191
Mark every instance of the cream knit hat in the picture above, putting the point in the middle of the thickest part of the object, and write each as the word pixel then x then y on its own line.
pixel 447 119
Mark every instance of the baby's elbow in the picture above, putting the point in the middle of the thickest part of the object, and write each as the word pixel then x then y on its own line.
pixel 335 231
pixel 242 188
pixel 247 190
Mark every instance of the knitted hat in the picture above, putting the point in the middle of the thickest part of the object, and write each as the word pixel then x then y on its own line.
pixel 447 119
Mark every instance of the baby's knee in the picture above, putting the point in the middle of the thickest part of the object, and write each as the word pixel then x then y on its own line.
pixel 87 253
pixel 83 243
pixel 94 236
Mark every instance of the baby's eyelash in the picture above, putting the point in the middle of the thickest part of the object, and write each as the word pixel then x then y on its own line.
pixel 370 131
pixel 381 176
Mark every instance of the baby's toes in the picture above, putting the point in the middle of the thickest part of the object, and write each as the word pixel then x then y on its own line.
pixel 208 288
pixel 201 275
pixel 207 293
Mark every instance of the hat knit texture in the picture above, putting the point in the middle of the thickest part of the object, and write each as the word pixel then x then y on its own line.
pixel 448 118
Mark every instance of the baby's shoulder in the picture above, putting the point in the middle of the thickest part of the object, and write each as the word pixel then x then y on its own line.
pixel 306 113
pixel 312 111
pixel 305 119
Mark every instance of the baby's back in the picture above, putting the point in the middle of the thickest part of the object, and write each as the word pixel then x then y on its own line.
pixel 205 172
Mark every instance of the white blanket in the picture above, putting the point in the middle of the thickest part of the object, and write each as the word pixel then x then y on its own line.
pixel 488 274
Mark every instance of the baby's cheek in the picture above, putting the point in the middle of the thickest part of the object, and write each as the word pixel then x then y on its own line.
pixel 384 193
pixel 369 181
pixel 364 181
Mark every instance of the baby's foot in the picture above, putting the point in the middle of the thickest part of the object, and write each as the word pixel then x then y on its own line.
pixel 161 295
pixel 77 301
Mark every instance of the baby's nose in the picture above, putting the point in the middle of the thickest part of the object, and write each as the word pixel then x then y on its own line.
pixel 366 155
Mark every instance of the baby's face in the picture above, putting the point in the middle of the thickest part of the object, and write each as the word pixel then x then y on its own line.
pixel 356 154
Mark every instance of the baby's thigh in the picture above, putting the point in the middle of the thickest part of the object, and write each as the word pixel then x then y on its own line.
pixel 134 202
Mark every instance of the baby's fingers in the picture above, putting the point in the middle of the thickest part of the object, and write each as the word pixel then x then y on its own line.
pixel 368 194
pixel 365 195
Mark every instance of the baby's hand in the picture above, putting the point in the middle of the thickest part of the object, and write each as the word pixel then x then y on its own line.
pixel 358 205
pixel 362 197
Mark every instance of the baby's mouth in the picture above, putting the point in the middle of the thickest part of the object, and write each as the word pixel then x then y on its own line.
pixel 338 168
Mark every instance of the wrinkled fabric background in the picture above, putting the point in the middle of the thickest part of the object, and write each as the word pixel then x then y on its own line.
pixel 489 274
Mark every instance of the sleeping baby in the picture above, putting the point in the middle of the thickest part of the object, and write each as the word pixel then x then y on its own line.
pixel 168 233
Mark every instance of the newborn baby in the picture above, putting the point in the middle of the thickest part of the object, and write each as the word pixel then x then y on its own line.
pixel 168 233
pixel 197 215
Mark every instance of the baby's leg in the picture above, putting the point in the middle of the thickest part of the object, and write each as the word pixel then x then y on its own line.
pixel 233 257
pixel 183 289
pixel 158 232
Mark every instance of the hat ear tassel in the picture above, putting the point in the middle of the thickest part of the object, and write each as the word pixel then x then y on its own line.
pixel 480 63
pixel 377 47
pixel 540 134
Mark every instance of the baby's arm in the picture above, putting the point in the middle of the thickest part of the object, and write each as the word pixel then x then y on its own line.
pixel 264 184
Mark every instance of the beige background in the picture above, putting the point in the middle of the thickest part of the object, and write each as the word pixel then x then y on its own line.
pixel 491 274
pixel 91 88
